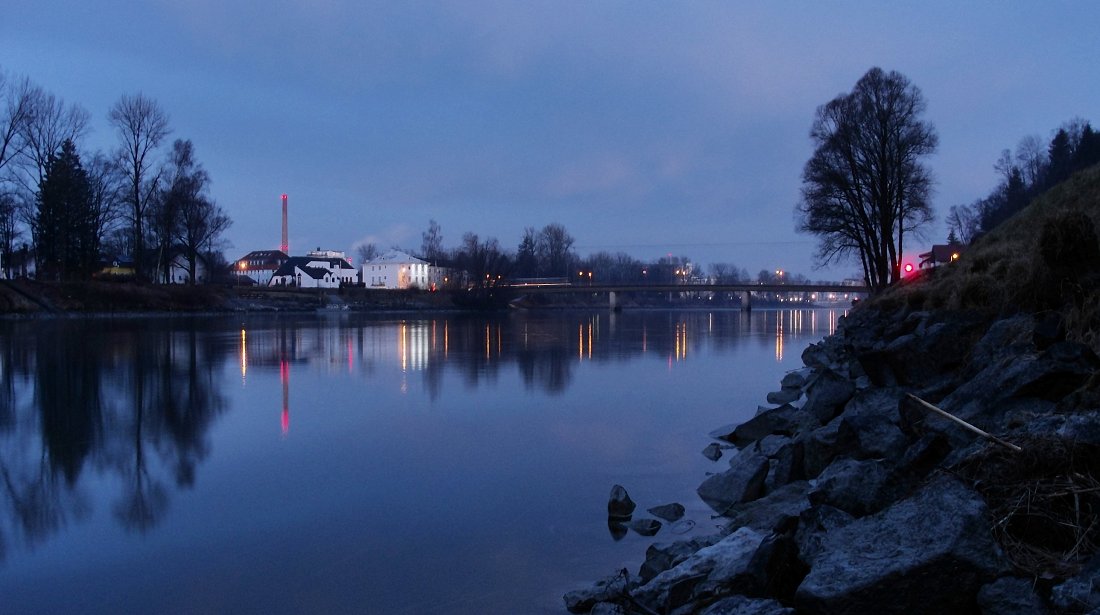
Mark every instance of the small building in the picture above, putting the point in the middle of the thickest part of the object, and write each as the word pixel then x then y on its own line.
pixel 178 272
pixel 260 265
pixel 397 270
pixel 315 272
pixel 941 254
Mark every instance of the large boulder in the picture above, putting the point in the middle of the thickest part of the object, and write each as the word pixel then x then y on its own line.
pixel 725 564
pixel 742 605
pixel 1080 594
pixel 772 511
pixel 785 420
pixel 929 553
pixel 743 482
pixel 659 557
pixel 1049 375
pixel 826 395
pixel 858 487
pixel 1011 596
pixel 609 589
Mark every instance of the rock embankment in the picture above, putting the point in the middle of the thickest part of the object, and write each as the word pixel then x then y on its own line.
pixel 845 495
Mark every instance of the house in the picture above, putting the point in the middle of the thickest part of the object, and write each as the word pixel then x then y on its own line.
pixel 396 269
pixel 319 269
pixel 260 265
pixel 178 272
pixel 941 254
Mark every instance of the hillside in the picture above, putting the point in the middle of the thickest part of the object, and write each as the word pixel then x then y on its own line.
pixel 1006 272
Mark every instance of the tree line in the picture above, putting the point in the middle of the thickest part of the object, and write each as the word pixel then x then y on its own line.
pixel 549 253
pixel 1034 167
pixel 67 208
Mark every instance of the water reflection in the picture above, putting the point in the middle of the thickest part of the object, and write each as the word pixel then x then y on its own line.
pixel 124 401
pixel 125 407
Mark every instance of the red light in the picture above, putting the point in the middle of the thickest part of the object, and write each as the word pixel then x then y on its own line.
pixel 284 196
pixel 908 267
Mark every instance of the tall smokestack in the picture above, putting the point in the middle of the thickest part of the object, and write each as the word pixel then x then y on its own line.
pixel 285 246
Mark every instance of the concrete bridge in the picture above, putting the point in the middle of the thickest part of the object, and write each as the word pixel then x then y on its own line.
pixel 744 289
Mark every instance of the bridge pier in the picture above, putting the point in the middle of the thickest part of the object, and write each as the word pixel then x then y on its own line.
pixel 746 301
pixel 612 300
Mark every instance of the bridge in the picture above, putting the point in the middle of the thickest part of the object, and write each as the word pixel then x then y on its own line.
pixel 745 289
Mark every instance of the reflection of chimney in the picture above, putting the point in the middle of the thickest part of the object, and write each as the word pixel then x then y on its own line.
pixel 285 246
pixel 284 376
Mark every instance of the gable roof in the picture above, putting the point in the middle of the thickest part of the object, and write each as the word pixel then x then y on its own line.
pixel 396 257
pixel 303 263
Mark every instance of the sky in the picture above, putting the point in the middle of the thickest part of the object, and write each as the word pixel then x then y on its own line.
pixel 651 128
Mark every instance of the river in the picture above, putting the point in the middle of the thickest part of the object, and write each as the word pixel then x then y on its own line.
pixel 359 463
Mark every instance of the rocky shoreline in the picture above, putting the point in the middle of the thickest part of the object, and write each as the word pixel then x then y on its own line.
pixel 847 495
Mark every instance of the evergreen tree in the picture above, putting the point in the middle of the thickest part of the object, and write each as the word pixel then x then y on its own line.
pixel 1061 158
pixel 527 260
pixel 66 242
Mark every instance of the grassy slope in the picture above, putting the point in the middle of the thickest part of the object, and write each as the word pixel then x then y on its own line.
pixel 1003 273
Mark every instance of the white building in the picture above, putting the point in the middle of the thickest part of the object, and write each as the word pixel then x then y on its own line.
pixel 396 269
pixel 315 271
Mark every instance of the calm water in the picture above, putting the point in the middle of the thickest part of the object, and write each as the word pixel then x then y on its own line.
pixel 348 463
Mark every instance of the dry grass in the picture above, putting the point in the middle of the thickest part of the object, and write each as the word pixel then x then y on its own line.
pixel 1003 273
pixel 1044 502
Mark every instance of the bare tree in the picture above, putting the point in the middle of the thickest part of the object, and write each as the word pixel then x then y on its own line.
pixel 1031 156
pixel 50 124
pixel 194 221
pixel 866 187
pixel 555 250
pixel 9 230
pixel 432 246
pixel 106 185
pixel 17 98
pixel 141 126
pixel 367 252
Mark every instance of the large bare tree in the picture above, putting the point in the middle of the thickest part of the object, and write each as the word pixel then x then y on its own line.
pixel 141 126
pixel 50 124
pixel 866 186
pixel 17 97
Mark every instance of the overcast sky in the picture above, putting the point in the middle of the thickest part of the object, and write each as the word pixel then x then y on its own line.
pixel 645 127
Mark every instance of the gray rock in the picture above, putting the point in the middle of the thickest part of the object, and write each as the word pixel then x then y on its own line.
pixel 1050 375
pixel 725 563
pixel 668 512
pixel 796 379
pixel 659 557
pixel 609 589
pixel 858 487
pixel 814 524
pixel 1081 594
pixel 1003 338
pixel 784 396
pixel 819 448
pixel 785 466
pixel 929 553
pixel 743 482
pixel 1010 596
pixel 713 451
pixel 786 420
pixel 741 605
pixel 827 394
pixel 871 437
pixel 619 504
pixel 646 527
pixel 772 511
pixel 607 608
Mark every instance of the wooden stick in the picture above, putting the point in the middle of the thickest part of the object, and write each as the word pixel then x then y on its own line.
pixel 968 426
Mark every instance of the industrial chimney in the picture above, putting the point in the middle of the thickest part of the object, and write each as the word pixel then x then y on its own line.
pixel 285 246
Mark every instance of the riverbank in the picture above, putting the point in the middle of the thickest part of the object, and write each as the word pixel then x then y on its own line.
pixel 851 492
pixel 850 496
